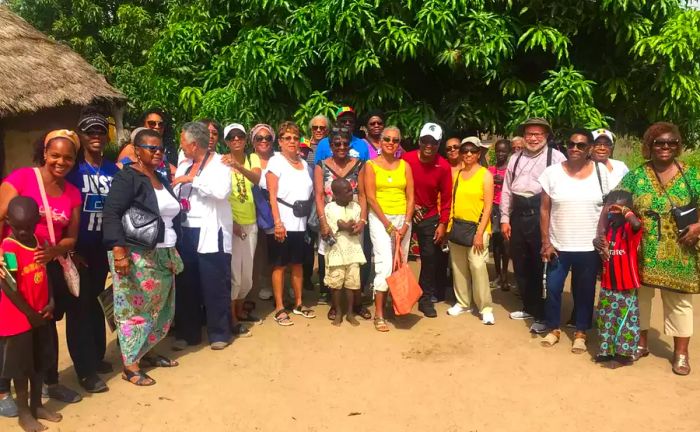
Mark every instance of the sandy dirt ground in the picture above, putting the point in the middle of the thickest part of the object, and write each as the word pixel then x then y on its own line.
pixel 443 374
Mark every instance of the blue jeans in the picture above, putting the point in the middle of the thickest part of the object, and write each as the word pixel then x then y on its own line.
pixel 584 267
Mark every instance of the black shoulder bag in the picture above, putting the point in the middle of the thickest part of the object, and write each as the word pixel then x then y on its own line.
pixel 686 215
pixel 463 231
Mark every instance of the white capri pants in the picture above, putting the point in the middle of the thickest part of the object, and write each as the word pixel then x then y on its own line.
pixel 383 248
pixel 243 251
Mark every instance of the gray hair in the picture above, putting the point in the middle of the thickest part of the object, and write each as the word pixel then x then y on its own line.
pixel 197 132
pixel 322 117
pixel 391 129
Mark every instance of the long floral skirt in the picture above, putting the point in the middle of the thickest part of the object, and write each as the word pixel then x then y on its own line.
pixel 617 319
pixel 144 300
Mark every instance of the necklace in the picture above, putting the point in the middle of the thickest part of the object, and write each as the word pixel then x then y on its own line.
pixel 291 161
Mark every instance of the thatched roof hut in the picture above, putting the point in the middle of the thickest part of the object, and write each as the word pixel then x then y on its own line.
pixel 43 85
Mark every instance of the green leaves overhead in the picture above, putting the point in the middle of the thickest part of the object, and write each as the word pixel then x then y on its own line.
pixel 473 64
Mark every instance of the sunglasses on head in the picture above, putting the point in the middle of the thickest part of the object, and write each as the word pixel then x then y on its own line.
pixel 580 145
pixel 318 128
pixel 152 149
pixel 261 138
pixel 666 143
pixel 154 123
pixel 391 140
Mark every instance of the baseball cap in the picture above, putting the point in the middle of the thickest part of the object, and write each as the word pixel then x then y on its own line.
pixel 345 109
pixel 233 126
pixel 304 142
pixel 431 129
pixel 93 120
pixel 474 140
pixel 603 132
pixel 534 121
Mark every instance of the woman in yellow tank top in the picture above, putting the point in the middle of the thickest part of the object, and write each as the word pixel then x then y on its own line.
pixel 389 190
pixel 473 199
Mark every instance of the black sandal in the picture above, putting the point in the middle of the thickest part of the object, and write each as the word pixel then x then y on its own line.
pixel 363 312
pixel 158 361
pixel 143 379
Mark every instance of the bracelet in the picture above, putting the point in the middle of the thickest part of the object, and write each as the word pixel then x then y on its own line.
pixel 390 229
pixel 321 217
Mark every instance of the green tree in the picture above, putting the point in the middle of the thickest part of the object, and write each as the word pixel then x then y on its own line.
pixel 473 64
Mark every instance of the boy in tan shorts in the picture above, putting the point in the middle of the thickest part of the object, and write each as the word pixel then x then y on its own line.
pixel 344 254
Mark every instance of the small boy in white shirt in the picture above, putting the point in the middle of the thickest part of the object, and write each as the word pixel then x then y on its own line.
pixel 345 256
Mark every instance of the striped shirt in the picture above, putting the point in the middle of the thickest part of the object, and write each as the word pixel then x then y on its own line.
pixel 621 271
pixel 576 207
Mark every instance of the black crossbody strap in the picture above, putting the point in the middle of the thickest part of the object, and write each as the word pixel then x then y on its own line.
pixel 600 180
pixel 549 156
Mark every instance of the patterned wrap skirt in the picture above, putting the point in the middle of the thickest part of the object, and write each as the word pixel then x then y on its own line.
pixel 617 319
pixel 144 300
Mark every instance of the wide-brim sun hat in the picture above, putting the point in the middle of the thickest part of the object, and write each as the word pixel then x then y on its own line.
pixel 534 121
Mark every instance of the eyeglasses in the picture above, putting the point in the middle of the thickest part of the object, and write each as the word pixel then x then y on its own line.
pixel 152 149
pixel 660 144
pixel 153 123
pixel 376 123
pixel 318 128
pixel 580 145
pixel 534 135
pixel 261 138
pixel 452 148
pixel 470 150
pixel 289 138
pixel 387 139
pixel 603 144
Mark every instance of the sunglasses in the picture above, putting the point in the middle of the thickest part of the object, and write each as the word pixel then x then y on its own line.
pixel 470 151
pixel 659 144
pixel 580 145
pixel 341 144
pixel 318 128
pixel 391 140
pixel 289 138
pixel 261 138
pixel 603 144
pixel 153 123
pixel 152 149
pixel 376 123
pixel 234 137
pixel 452 148
pixel 428 141
pixel 95 132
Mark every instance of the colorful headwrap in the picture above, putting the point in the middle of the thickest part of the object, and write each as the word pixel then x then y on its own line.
pixel 63 133
pixel 254 131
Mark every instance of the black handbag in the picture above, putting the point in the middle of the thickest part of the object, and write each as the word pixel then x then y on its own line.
pixel 686 215
pixel 463 231
pixel 141 227
pixel 300 209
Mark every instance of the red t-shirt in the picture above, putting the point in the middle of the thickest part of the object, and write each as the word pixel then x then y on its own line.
pixel 432 185
pixel 24 182
pixel 621 271
pixel 497 186
pixel 32 284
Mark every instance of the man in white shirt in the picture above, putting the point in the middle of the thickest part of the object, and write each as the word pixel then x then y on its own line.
pixel 204 243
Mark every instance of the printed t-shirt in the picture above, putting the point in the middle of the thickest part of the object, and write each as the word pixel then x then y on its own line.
pixel 497 186
pixel 241 198
pixel 94 184
pixel 25 183
pixel 621 271
pixel 32 284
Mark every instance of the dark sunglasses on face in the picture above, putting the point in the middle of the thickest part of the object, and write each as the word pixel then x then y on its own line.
pixel 154 123
pixel 152 149
pixel 261 138
pixel 376 123
pixel 581 145
pixel 232 137
pixel 428 141
pixel 391 140
pixel 318 128
pixel 95 132
pixel 659 144
pixel 470 150
pixel 341 144
pixel 346 121
pixel 452 148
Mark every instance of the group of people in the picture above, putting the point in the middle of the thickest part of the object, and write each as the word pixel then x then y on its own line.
pixel 188 234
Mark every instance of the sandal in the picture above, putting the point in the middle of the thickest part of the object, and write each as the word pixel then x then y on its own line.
pixel 681 366
pixel 579 345
pixel 142 378
pixel 306 313
pixel 363 312
pixel 331 314
pixel 282 318
pixel 551 339
pixel 380 325
pixel 157 361
pixel 640 352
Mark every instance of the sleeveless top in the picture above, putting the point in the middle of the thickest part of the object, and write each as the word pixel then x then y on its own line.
pixel 352 176
pixel 391 188
pixel 469 198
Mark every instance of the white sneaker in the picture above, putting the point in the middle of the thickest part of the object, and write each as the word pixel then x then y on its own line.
pixel 457 309
pixel 520 315
pixel 538 327
pixel 265 294
pixel 487 318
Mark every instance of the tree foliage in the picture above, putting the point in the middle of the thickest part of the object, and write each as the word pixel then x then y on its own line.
pixel 472 64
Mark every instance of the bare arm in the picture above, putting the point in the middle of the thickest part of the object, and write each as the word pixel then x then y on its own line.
pixel 272 187
pixel 7 192
pixel 371 192
pixel 478 243
pixel 20 303
pixel 410 200
pixel 320 201
pixel 545 212
pixel 362 200
pixel 65 245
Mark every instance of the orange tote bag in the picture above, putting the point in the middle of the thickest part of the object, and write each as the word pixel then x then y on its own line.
pixel 403 286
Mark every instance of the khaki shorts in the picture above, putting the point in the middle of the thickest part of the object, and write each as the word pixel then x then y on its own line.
pixel 345 276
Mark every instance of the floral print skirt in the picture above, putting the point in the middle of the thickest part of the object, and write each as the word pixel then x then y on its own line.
pixel 144 300
pixel 617 319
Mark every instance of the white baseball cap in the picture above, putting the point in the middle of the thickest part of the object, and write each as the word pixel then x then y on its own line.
pixel 603 132
pixel 473 140
pixel 233 126
pixel 431 129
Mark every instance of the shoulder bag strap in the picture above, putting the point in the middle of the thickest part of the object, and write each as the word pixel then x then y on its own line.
pixel 600 180
pixel 549 155
pixel 47 208
pixel 515 167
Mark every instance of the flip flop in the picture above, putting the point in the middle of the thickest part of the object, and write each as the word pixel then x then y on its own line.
pixel 142 378
pixel 282 318
pixel 363 312
pixel 306 313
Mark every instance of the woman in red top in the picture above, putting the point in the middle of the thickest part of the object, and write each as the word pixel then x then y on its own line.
pixel 500 249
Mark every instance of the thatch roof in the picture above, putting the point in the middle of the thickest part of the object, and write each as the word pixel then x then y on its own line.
pixel 37 72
